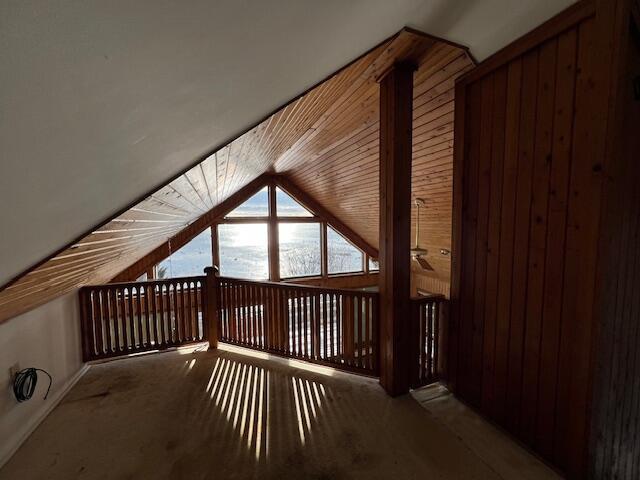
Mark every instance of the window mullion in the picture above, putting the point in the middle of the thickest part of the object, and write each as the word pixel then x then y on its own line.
pixel 323 250
pixel 272 238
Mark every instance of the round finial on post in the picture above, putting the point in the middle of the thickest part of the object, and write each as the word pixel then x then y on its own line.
pixel 213 269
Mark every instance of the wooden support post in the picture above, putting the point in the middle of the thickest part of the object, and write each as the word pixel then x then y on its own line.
pixel 211 310
pixel 396 104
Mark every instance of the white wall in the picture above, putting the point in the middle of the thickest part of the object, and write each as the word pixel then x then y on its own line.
pixel 48 338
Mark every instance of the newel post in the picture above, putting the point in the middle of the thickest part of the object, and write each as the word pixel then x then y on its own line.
pixel 211 310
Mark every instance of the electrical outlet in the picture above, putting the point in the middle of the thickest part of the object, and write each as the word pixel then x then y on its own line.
pixel 13 370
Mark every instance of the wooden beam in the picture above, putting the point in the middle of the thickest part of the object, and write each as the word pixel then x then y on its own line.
pixel 188 233
pixel 311 204
pixel 396 108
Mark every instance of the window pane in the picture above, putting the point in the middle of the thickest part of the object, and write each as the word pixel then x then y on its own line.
pixel 190 260
pixel 288 207
pixel 256 206
pixel 299 249
pixel 244 251
pixel 374 265
pixel 342 256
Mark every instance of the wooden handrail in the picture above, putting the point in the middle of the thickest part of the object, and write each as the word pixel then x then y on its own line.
pixel 162 281
pixel 336 327
pixel 132 317
pixel 285 285
pixel 428 298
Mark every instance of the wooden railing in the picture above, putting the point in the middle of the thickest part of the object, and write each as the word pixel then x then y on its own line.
pixel 427 315
pixel 125 318
pixel 326 326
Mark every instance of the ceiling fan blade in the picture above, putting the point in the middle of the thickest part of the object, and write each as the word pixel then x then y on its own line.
pixel 423 263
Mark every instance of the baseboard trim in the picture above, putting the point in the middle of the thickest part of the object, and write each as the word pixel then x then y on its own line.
pixel 52 402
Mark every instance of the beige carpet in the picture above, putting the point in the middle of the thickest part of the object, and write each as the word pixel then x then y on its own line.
pixel 228 415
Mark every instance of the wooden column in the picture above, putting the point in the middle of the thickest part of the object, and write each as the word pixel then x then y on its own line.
pixel 211 310
pixel 396 103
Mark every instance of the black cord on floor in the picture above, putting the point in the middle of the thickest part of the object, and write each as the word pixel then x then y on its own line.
pixel 25 383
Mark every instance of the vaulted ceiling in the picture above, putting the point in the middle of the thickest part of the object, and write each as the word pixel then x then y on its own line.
pixel 102 109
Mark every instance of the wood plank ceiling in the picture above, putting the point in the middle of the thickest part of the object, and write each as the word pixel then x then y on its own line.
pixel 326 141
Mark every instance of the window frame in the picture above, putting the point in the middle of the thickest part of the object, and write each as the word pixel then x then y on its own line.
pixel 362 270
pixel 321 227
pixel 272 220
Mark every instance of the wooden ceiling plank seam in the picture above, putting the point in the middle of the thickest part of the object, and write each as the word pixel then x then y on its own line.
pixel 171 205
pixel 29 286
pixel 342 142
pixel 198 226
pixel 353 87
pixel 183 189
pixel 110 240
pixel 212 177
pixel 145 207
pixel 196 179
pixel 339 88
pixel 298 147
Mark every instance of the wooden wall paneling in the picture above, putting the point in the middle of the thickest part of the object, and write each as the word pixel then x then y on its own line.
pixel 498 126
pixel 553 27
pixel 428 283
pixel 556 233
pixel 615 431
pixel 542 160
pixel 469 224
pixel 538 302
pixel 528 102
pixel 582 239
pixel 484 183
pixel 507 235
pixel 344 176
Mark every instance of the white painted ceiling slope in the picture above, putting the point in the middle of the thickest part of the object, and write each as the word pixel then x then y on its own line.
pixel 101 102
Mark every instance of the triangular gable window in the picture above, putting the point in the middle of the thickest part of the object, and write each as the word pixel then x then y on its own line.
pixel 342 255
pixel 255 206
pixel 288 207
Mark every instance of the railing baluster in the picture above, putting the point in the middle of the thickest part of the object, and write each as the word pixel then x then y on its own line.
pixel 172 313
pixel 107 321
pixel 159 295
pixel 98 323
pixel 425 325
pixel 222 306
